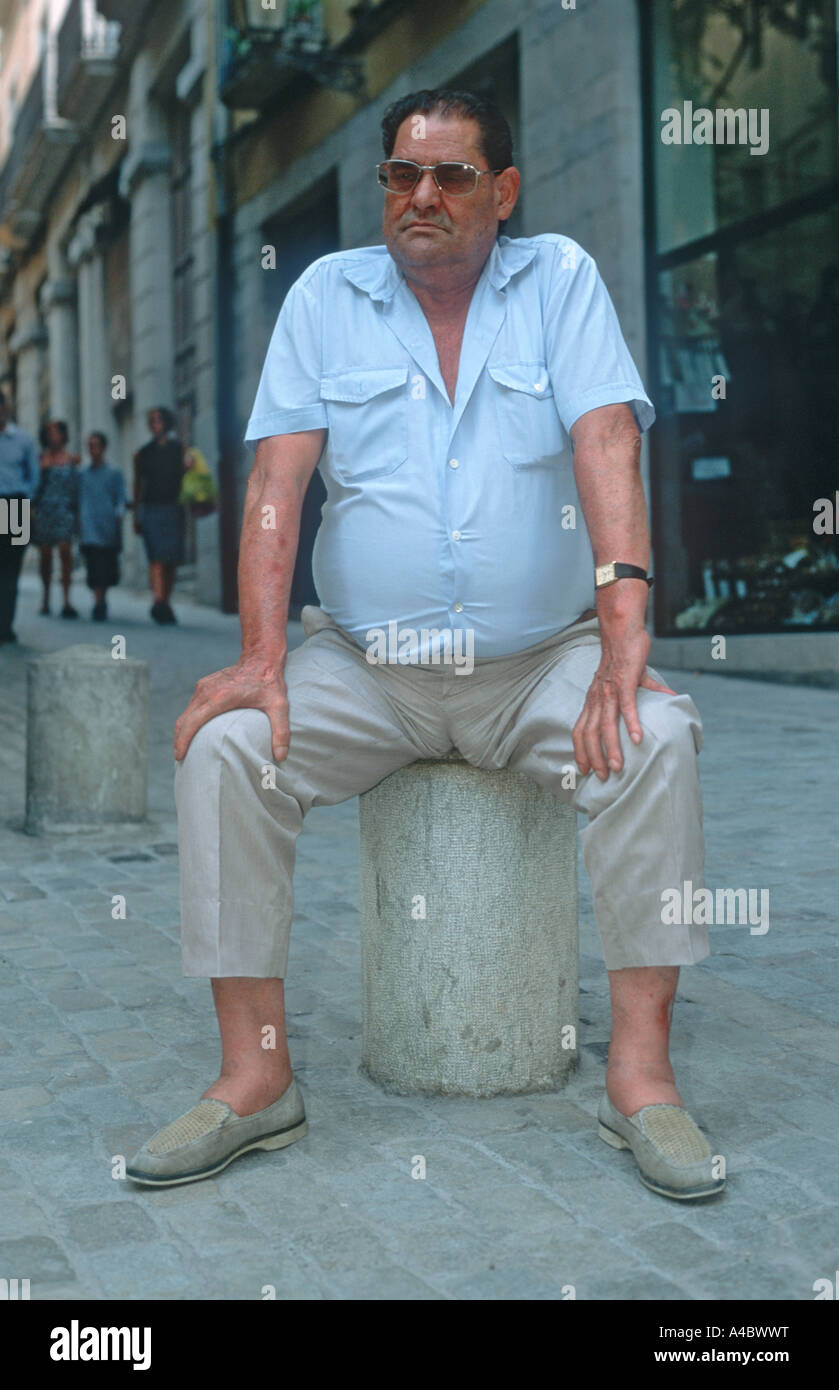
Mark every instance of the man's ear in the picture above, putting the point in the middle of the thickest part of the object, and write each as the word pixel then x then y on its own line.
pixel 508 184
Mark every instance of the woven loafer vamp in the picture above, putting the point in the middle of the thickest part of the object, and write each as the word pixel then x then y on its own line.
pixel 208 1133
pixel 668 1146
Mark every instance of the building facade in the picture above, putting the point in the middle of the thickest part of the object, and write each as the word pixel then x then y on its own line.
pixel 144 259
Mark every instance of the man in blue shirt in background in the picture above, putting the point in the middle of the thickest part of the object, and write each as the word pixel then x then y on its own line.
pixel 19 474
pixel 101 509
pixel 469 400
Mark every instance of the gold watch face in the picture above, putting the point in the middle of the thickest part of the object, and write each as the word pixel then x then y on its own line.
pixel 604 574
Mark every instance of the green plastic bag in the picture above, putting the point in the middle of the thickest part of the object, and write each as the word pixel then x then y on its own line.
pixel 198 488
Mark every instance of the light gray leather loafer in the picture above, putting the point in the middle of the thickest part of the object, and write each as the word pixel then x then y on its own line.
pixel 672 1153
pixel 211 1134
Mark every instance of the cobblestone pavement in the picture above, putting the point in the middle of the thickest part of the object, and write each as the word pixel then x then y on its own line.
pixel 103 1041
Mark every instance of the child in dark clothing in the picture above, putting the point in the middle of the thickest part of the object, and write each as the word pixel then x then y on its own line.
pixel 101 509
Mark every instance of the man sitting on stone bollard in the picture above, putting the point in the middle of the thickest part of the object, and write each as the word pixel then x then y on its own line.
pixel 477 417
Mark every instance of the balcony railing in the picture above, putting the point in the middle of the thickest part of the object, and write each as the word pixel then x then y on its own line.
pixel 369 18
pixel 266 52
pixel 29 119
pixel 88 46
pixel 130 14
pixel 38 151
pixel 8 175
pixel 31 114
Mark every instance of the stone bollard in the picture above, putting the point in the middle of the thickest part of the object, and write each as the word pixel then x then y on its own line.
pixel 469 938
pixel 86 740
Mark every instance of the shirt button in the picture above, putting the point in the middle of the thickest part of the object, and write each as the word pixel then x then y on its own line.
pixel 454 463
pixel 538 386
pixel 455 535
pixel 458 608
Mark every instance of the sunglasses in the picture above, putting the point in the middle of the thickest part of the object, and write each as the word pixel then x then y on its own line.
pixel 403 175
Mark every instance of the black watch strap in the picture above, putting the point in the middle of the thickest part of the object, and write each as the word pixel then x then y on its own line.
pixel 616 569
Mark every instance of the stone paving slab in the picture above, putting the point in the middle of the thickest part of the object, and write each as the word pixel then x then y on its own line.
pixel 102 1040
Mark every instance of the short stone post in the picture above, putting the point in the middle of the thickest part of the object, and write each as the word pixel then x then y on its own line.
pixel 86 740
pixel 468 932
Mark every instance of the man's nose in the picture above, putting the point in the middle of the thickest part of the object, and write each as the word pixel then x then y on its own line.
pixel 426 193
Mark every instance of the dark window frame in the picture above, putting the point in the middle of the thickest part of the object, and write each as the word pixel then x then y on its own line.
pixel 732 234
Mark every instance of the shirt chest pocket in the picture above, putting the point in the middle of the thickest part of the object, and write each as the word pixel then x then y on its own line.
pixel 367 413
pixel 529 429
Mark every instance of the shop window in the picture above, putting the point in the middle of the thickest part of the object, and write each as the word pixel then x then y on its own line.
pixel 735 55
pixel 744 323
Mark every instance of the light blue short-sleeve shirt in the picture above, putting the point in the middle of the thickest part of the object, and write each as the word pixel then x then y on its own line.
pixel 101 505
pixel 459 518
pixel 20 468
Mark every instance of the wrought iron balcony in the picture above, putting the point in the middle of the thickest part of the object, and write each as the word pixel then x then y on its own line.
pixel 369 18
pixel 266 52
pixel 38 152
pixel 130 14
pixel 88 46
pixel 8 175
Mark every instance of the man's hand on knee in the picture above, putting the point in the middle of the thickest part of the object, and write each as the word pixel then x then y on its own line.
pixel 243 686
pixel 612 695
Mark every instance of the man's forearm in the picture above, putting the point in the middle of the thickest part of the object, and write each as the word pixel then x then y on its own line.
pixel 607 450
pixel 266 565
pixel 269 539
pixel 608 474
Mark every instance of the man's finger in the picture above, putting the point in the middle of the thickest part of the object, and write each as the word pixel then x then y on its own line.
pixel 593 745
pixel 578 738
pixel 629 710
pixel 194 716
pixel 184 730
pixel 279 735
pixel 647 683
pixel 581 735
pixel 594 751
pixel 610 735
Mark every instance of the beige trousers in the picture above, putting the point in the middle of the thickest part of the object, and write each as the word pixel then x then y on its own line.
pixel 353 724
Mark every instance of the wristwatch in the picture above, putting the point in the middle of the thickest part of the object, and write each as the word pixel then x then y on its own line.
pixel 609 574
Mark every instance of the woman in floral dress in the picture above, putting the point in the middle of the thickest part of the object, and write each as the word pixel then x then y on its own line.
pixel 56 506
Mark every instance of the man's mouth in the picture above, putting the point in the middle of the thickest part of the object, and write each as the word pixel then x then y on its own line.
pixel 435 225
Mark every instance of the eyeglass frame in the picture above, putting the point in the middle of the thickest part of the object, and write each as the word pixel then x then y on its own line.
pixel 432 169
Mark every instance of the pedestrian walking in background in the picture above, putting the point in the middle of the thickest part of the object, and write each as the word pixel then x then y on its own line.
pixel 102 504
pixel 19 474
pixel 56 505
pixel 159 517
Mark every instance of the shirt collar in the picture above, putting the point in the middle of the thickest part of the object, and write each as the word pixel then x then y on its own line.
pixel 376 274
pixel 506 259
pixel 379 276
